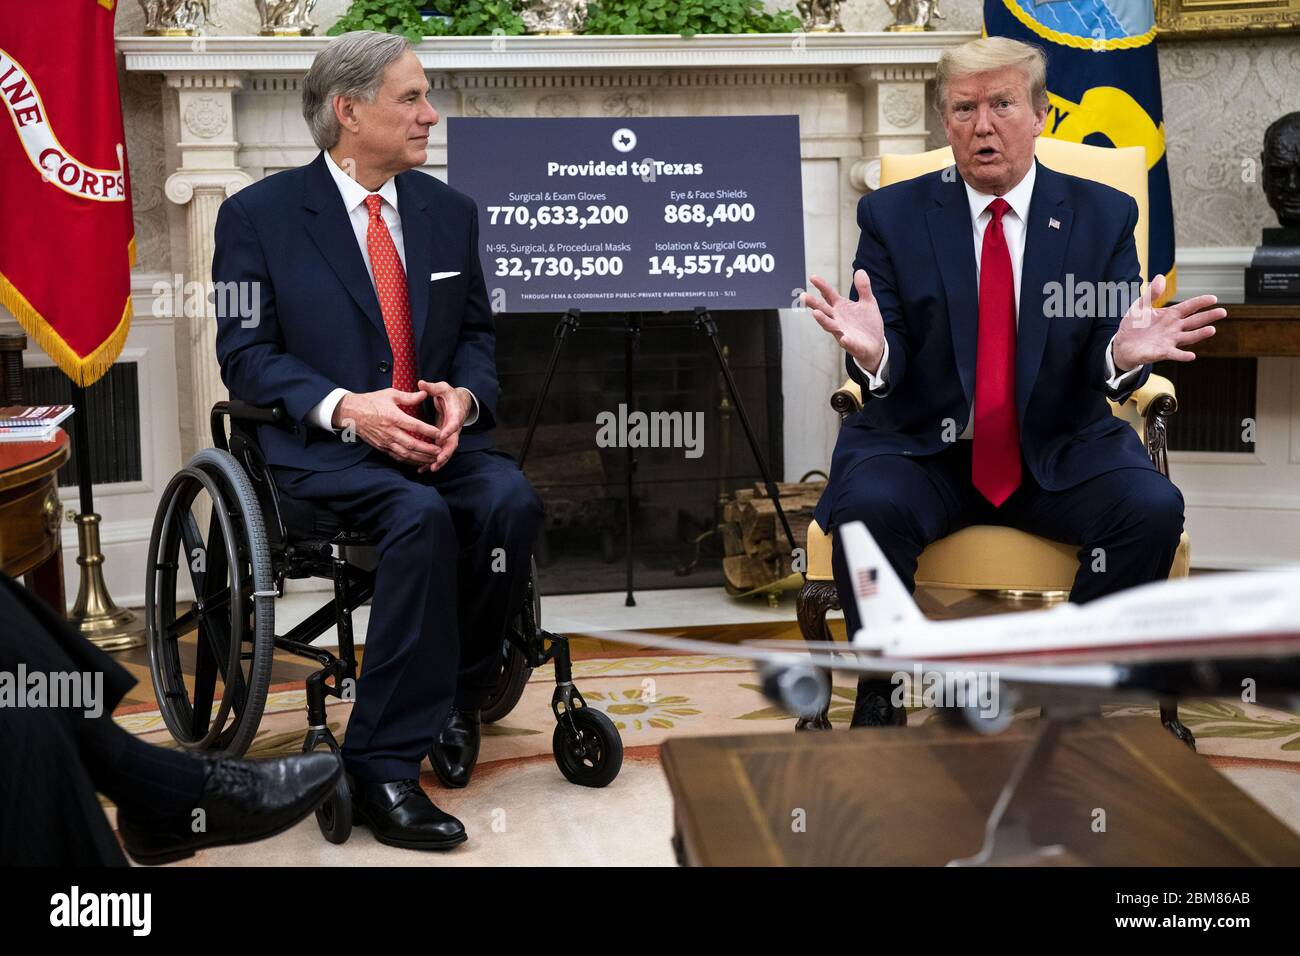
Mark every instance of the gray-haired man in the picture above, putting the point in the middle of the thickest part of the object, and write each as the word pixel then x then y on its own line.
pixel 374 331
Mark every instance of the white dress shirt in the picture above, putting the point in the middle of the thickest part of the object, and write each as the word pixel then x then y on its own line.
pixel 354 200
pixel 1013 228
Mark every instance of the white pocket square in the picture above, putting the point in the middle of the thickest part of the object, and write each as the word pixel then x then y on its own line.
pixel 435 276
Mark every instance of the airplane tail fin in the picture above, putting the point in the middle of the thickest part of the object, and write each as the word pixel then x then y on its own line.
pixel 880 595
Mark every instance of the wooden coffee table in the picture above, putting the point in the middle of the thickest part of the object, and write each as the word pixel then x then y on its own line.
pixel 921 797
pixel 31 515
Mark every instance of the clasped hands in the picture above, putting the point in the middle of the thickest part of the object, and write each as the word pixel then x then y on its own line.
pixel 384 421
pixel 1146 334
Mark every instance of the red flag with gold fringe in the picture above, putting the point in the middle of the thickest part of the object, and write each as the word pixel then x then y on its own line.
pixel 67 242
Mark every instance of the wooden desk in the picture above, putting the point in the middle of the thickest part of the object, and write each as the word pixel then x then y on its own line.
pixel 920 797
pixel 30 516
pixel 1254 331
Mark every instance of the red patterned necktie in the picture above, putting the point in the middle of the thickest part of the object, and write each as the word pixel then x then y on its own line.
pixel 995 457
pixel 390 283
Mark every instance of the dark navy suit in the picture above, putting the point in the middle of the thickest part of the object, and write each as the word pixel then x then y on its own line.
pixel 441 600
pixel 1086 478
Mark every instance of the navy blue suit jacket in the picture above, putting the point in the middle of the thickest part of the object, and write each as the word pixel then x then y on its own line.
pixel 917 247
pixel 319 325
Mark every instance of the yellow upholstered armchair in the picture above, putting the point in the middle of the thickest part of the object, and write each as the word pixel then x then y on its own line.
pixel 988 557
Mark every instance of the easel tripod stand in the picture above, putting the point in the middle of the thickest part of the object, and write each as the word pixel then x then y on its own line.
pixel 632 329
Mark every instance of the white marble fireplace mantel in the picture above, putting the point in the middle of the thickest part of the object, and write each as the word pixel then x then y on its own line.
pixel 493 53
pixel 231 114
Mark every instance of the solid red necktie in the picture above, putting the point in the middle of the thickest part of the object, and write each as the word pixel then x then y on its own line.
pixel 394 304
pixel 995 457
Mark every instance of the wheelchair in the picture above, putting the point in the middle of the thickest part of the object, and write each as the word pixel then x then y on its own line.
pixel 257 537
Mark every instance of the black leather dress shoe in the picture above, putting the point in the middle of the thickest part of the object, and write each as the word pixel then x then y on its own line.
pixel 456 750
pixel 400 814
pixel 242 801
pixel 873 708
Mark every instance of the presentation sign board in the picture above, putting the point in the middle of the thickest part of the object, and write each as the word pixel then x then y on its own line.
pixel 634 213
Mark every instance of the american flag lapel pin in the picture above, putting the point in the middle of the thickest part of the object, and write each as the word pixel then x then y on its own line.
pixel 1053 223
pixel 866 582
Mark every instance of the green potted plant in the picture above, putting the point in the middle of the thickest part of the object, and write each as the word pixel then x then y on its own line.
pixel 686 17
pixel 450 18
pixel 386 16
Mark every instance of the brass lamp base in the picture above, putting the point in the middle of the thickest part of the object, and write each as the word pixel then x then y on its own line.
pixel 95 615
pixel 1048 598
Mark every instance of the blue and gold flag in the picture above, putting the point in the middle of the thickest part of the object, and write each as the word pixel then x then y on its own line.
pixel 1103 80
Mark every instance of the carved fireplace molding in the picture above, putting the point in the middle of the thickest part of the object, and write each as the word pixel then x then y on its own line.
pixel 489 54
pixel 230 109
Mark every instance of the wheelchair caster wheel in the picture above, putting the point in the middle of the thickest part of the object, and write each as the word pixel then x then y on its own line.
pixel 595 756
pixel 334 816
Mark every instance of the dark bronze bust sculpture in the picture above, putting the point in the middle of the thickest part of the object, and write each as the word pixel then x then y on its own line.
pixel 1274 271
pixel 1281 159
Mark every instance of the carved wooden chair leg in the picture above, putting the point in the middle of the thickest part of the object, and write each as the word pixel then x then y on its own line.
pixel 1169 717
pixel 815 599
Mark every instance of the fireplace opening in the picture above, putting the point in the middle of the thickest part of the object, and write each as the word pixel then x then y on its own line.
pixel 689 446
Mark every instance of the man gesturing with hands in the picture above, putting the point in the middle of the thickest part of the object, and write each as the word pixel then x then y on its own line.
pixel 372 328
pixel 984 393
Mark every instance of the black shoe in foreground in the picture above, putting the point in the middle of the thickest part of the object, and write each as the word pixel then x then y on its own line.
pixel 242 801
pixel 400 814
pixel 455 752
pixel 873 708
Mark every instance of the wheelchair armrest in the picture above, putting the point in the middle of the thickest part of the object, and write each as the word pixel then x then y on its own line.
pixel 238 411
pixel 245 413
pixel 242 411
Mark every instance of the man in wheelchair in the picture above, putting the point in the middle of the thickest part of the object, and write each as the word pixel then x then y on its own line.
pixel 371 329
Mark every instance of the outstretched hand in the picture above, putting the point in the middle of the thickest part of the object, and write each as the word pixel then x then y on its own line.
pixel 857 326
pixel 1147 334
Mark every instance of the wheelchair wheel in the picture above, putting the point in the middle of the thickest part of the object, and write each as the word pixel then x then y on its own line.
pixel 515 671
pixel 511 682
pixel 595 756
pixel 232 618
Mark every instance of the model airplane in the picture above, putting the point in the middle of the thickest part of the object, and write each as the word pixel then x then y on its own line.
pixel 1211 635
pixel 1230 613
